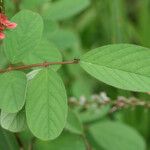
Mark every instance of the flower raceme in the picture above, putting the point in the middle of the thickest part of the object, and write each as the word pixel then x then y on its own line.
pixel 5 24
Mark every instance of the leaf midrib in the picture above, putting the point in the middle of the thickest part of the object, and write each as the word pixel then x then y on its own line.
pixel 85 62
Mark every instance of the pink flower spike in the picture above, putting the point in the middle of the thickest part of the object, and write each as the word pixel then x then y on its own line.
pixel 2 35
pixel 11 25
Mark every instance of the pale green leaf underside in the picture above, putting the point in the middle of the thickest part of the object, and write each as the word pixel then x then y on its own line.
pixel 46 106
pixel 64 9
pixel 44 52
pixel 32 74
pixel 12 91
pixel 25 37
pixel 124 66
pixel 116 136
pixel 14 122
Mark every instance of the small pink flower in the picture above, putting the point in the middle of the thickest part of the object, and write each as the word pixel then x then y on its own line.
pixel 5 24
pixel 2 35
pixel 11 25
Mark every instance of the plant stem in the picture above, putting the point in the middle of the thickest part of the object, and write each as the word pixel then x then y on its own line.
pixel 17 5
pixel 45 64
pixel 2 8
pixel 19 141
pixel 87 144
pixel 32 143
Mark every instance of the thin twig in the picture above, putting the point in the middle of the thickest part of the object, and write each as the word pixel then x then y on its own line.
pixel 87 144
pixel 118 104
pixel 45 64
pixel 19 141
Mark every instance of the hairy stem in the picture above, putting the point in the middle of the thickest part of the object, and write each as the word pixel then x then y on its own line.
pixel 45 64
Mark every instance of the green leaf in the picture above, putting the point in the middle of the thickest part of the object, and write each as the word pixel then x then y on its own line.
pixel 73 123
pixel 25 37
pixel 116 136
pixel 12 91
pixel 46 106
pixel 93 113
pixel 9 7
pixel 50 27
pixel 81 87
pixel 124 66
pixel 64 39
pixel 45 52
pixel 14 122
pixel 7 141
pixel 64 9
pixel 3 59
pixel 33 4
pixel 66 141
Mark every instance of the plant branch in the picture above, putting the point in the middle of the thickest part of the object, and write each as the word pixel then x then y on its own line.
pixel 45 64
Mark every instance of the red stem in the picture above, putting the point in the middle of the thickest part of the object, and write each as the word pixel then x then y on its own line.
pixel 45 64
